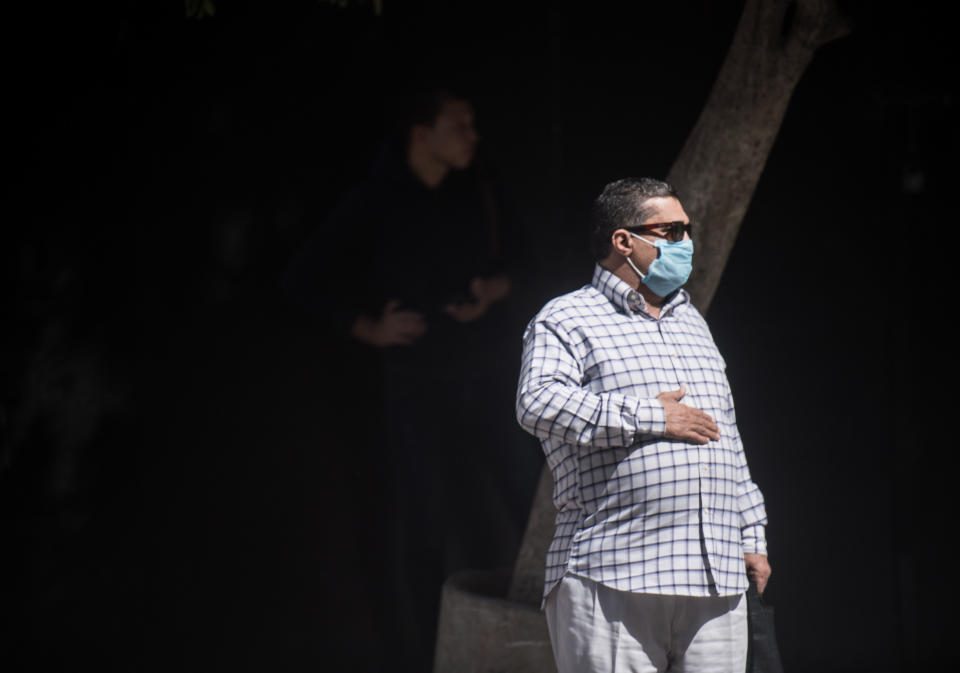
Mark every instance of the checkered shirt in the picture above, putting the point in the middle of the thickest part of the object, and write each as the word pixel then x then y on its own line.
pixel 637 511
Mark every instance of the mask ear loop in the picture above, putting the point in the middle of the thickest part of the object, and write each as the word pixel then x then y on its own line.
pixel 639 238
pixel 635 269
pixel 630 261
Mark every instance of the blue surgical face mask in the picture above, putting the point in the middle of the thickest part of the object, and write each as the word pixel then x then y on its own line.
pixel 670 269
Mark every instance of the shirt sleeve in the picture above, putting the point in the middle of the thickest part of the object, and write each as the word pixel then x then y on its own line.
pixel 552 404
pixel 753 511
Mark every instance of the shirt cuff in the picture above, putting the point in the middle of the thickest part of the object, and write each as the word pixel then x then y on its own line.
pixel 754 540
pixel 651 418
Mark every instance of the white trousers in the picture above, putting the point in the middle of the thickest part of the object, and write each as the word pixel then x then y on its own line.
pixel 594 628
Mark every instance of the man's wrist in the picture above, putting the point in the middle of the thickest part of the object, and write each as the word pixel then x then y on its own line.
pixel 651 419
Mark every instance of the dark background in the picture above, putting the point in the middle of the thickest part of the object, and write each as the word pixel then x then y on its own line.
pixel 185 468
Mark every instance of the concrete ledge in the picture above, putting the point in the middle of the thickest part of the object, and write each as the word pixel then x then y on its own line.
pixel 480 631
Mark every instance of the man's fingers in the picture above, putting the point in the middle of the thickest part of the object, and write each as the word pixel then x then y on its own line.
pixel 401 327
pixel 709 429
pixel 690 433
pixel 696 427
pixel 673 395
pixel 686 422
pixel 466 311
pixel 758 569
pixel 704 422
pixel 700 422
pixel 701 415
pixel 707 434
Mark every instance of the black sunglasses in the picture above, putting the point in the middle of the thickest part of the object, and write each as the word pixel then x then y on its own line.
pixel 674 230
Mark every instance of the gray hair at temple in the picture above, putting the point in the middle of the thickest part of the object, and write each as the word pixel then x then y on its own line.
pixel 622 204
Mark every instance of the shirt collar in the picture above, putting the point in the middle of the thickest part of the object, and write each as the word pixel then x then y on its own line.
pixel 625 298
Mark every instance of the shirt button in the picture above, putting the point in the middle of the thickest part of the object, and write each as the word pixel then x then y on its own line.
pixel 705 470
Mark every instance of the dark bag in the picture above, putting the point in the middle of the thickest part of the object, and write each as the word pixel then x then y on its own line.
pixel 762 653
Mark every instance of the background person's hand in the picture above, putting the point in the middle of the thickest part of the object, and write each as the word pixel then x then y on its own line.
pixel 758 570
pixel 485 292
pixel 465 311
pixel 684 422
pixel 395 327
pixel 490 290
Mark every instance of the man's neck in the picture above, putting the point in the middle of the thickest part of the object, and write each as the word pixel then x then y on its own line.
pixel 623 271
pixel 426 167
pixel 654 301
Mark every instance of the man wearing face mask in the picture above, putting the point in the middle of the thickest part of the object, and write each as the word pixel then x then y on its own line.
pixel 659 525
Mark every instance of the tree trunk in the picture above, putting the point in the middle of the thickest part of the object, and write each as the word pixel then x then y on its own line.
pixel 716 174
pixel 717 171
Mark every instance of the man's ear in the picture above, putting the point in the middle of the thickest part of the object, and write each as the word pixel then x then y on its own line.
pixel 418 133
pixel 622 242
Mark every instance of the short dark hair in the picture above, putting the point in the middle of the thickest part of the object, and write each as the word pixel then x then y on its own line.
pixel 622 204
pixel 422 106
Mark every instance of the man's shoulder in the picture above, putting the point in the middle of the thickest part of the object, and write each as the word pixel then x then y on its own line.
pixel 688 312
pixel 686 309
pixel 573 307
